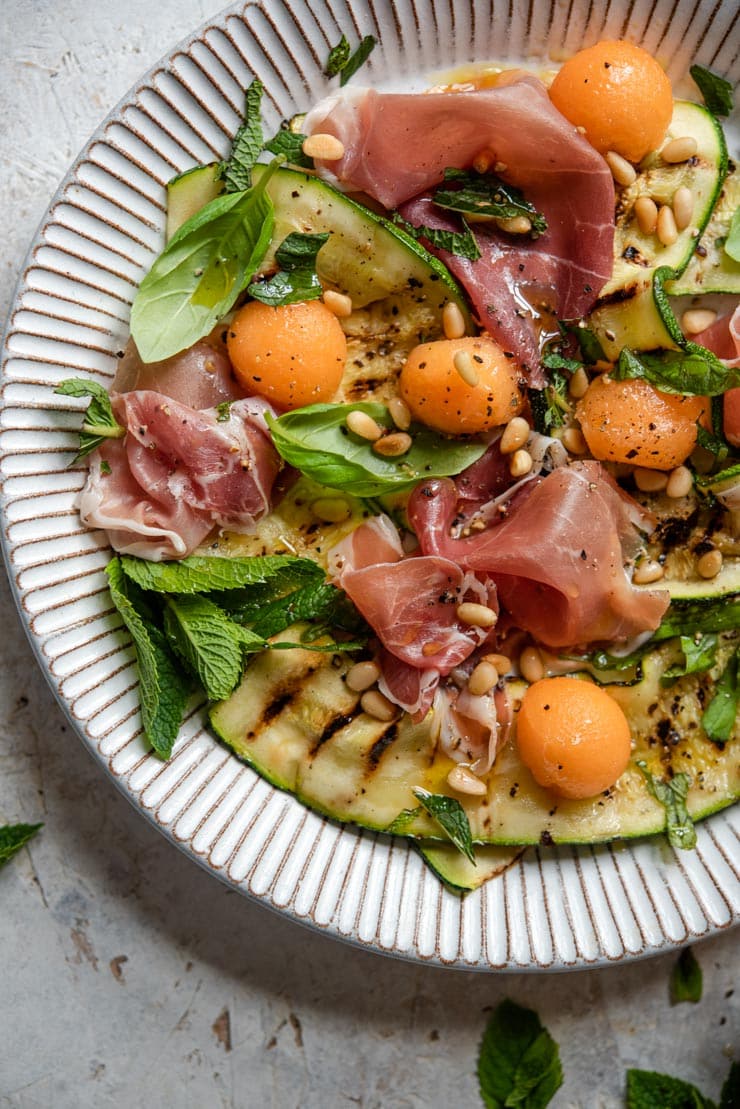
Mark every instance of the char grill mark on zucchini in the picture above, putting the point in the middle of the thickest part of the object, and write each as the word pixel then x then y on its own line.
pixel 711 270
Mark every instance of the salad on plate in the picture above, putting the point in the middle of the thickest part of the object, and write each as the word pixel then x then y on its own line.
pixel 423 460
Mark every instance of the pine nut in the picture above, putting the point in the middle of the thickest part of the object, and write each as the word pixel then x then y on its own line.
pixel 709 564
pixel 332 510
pixel 695 320
pixel 578 383
pixel 400 413
pixel 574 441
pixel 393 445
pixel 650 481
pixel 464 365
pixel 482 163
pixel 453 321
pixel 363 425
pixel 483 679
pixel 479 616
pixel 646 214
pixel 375 704
pixel 531 665
pixel 463 780
pixel 518 225
pixel 647 571
pixel 666 229
pixel 679 150
pixel 515 435
pixel 622 172
pixel 501 662
pixel 680 482
pixel 521 463
pixel 362 675
pixel 327 147
pixel 338 303
pixel 683 207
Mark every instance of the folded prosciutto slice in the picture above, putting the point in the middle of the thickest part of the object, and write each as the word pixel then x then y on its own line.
pixel 557 558
pixel 178 472
pixel 397 147
pixel 723 337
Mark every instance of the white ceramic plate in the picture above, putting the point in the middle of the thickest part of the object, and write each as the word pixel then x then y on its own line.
pixel 554 908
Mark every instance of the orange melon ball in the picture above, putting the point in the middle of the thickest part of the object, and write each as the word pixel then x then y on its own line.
pixel 631 421
pixel 461 386
pixel 572 736
pixel 292 355
pixel 619 94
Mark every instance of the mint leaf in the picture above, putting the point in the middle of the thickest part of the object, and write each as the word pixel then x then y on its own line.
pixel 209 643
pixel 358 59
pixel 297 281
pixel 715 90
pixel 164 691
pixel 316 441
pixel 649 1090
pixel 202 270
pixel 550 405
pixel 338 57
pixel 695 617
pixel 460 243
pixel 400 824
pixel 13 837
pixel 451 817
pixel 588 342
pixel 290 145
pixel 317 601
pixel 687 372
pixel 718 719
pixel 486 195
pixel 700 654
pixel 686 978
pixel 518 1062
pixel 247 145
pixel 99 422
pixel 732 242
pixel 730 1096
pixel 204 574
pixel 672 796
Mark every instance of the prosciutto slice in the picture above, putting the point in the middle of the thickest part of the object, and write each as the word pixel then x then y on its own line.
pixel 200 376
pixel 557 558
pixel 723 338
pixel 178 472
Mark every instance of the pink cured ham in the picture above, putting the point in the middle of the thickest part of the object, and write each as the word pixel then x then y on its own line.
pixel 410 603
pixel 723 337
pixel 557 558
pixel 200 376
pixel 178 473
pixel 397 147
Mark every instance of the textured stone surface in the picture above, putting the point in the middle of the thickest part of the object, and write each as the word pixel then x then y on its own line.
pixel 128 976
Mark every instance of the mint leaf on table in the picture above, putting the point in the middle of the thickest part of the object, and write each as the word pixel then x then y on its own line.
pixel 672 795
pixel 248 143
pixel 451 817
pixel 297 280
pixel 99 422
pixel 210 644
pixel 686 978
pixel 13 837
pixel 730 1096
pixel 718 719
pixel 164 690
pixel 649 1090
pixel 519 1062
pixel 206 574
pixel 715 90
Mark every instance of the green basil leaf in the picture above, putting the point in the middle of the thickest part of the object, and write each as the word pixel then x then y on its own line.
pixel 697 617
pixel 13 837
pixel 452 819
pixel 338 57
pixel 686 978
pixel 203 574
pixel 715 90
pixel 718 719
pixel 732 242
pixel 164 691
pixel 209 643
pixel 672 796
pixel 316 441
pixel 247 145
pixel 518 1062
pixel 695 372
pixel 358 59
pixel 289 144
pixel 486 195
pixel 297 281
pixel 700 654
pixel 730 1096
pixel 201 271
pixel 650 1090
pixel 99 423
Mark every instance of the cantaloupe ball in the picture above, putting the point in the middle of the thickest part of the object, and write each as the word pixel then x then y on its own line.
pixel 631 421
pixel 572 736
pixel 292 355
pixel 443 398
pixel 619 94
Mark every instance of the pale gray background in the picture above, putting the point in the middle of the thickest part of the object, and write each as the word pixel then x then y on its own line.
pixel 118 956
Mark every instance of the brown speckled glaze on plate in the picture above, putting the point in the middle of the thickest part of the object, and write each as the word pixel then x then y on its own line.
pixel 553 908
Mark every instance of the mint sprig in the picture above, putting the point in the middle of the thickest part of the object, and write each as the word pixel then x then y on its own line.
pixel 519 1062
pixel 672 795
pixel 248 143
pixel 13 837
pixel 718 719
pixel 99 423
pixel 451 817
pixel 211 645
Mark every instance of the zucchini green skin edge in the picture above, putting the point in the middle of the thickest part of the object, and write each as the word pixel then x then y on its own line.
pixel 712 270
